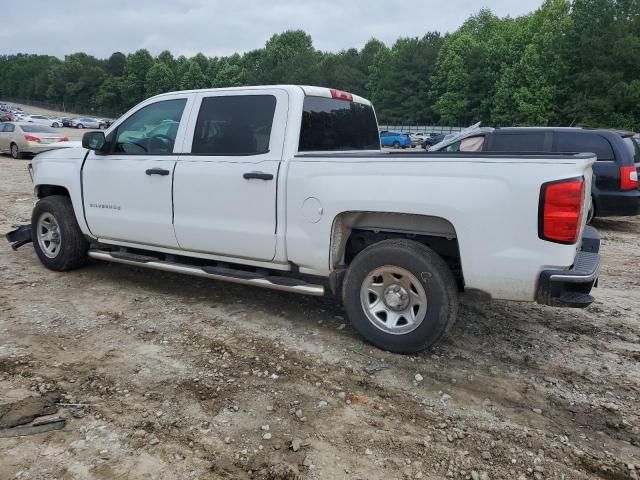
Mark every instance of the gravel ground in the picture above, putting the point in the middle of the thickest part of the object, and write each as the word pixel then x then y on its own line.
pixel 184 378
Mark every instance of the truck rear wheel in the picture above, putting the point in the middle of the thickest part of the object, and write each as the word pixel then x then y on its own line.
pixel 400 295
pixel 57 238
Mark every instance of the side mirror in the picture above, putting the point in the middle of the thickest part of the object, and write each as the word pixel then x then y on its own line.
pixel 94 141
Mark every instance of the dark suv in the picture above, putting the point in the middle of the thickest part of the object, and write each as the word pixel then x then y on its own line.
pixel 615 190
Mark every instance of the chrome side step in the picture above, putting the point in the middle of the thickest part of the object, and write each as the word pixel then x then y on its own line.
pixel 285 284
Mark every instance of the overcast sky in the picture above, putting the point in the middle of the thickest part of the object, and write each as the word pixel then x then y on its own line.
pixel 223 27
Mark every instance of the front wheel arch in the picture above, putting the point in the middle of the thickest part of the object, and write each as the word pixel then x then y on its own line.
pixel 43 191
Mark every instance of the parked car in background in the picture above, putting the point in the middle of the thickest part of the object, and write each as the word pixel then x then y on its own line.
pixel 40 120
pixel 85 122
pixel 615 191
pixel 394 139
pixel 416 139
pixel 20 139
pixel 472 138
pixel 66 121
pixel 56 122
pixel 432 139
pixel 105 122
pixel 7 117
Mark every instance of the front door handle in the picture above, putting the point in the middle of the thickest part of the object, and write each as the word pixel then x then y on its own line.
pixel 158 171
pixel 257 176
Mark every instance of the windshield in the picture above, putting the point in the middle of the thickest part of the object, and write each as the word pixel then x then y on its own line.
pixel 332 125
pixel 37 128
pixel 633 145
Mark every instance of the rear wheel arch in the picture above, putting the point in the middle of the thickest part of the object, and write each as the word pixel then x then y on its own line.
pixel 354 231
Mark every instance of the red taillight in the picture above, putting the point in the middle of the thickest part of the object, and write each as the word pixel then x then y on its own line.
pixel 32 138
pixel 64 139
pixel 561 210
pixel 340 95
pixel 628 178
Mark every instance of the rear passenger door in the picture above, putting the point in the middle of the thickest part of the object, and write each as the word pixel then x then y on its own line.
pixel 225 183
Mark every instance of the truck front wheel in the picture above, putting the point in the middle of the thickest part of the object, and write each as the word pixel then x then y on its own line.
pixel 57 238
pixel 400 295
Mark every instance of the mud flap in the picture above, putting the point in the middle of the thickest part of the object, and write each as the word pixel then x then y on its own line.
pixel 19 237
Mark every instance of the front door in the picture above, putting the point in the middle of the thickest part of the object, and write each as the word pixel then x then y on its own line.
pixel 127 191
pixel 225 185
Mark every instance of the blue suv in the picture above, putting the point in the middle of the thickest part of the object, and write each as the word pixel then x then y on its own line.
pixel 395 139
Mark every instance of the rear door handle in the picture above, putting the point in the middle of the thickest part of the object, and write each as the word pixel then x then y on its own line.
pixel 257 176
pixel 158 171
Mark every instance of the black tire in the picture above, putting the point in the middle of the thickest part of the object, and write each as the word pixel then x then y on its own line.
pixel 80 125
pixel 55 125
pixel 73 248
pixel 16 154
pixel 396 144
pixel 426 266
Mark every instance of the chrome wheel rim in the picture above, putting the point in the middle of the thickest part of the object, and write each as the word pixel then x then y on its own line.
pixel 393 300
pixel 48 234
pixel 14 151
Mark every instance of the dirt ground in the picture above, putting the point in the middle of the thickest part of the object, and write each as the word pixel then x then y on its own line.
pixel 184 378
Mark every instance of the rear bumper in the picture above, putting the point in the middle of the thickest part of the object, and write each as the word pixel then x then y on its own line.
pixel 571 287
pixel 623 203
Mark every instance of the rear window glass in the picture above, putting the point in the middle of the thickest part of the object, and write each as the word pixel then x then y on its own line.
pixel 518 142
pixel 333 125
pixel 584 142
pixel 633 146
pixel 234 125
pixel 37 128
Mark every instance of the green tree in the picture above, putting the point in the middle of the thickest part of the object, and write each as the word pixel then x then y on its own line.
pixel 160 79
pixel 194 78
pixel 532 89
pixel 230 73
pixel 136 68
pixel 287 58
pixel 116 63
pixel 400 79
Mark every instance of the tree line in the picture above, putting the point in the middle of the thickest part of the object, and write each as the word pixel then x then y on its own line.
pixel 567 63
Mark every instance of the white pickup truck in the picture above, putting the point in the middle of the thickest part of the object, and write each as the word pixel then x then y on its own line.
pixel 286 187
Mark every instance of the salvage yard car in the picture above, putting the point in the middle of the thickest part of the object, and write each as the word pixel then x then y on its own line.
pixel 19 139
pixel 85 122
pixel 615 190
pixel 395 139
pixel 286 187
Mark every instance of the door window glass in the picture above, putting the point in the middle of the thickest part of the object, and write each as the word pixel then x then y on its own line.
pixel 9 128
pixel 151 130
pixel 234 125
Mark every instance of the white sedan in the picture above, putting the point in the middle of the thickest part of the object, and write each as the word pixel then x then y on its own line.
pixel 38 120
